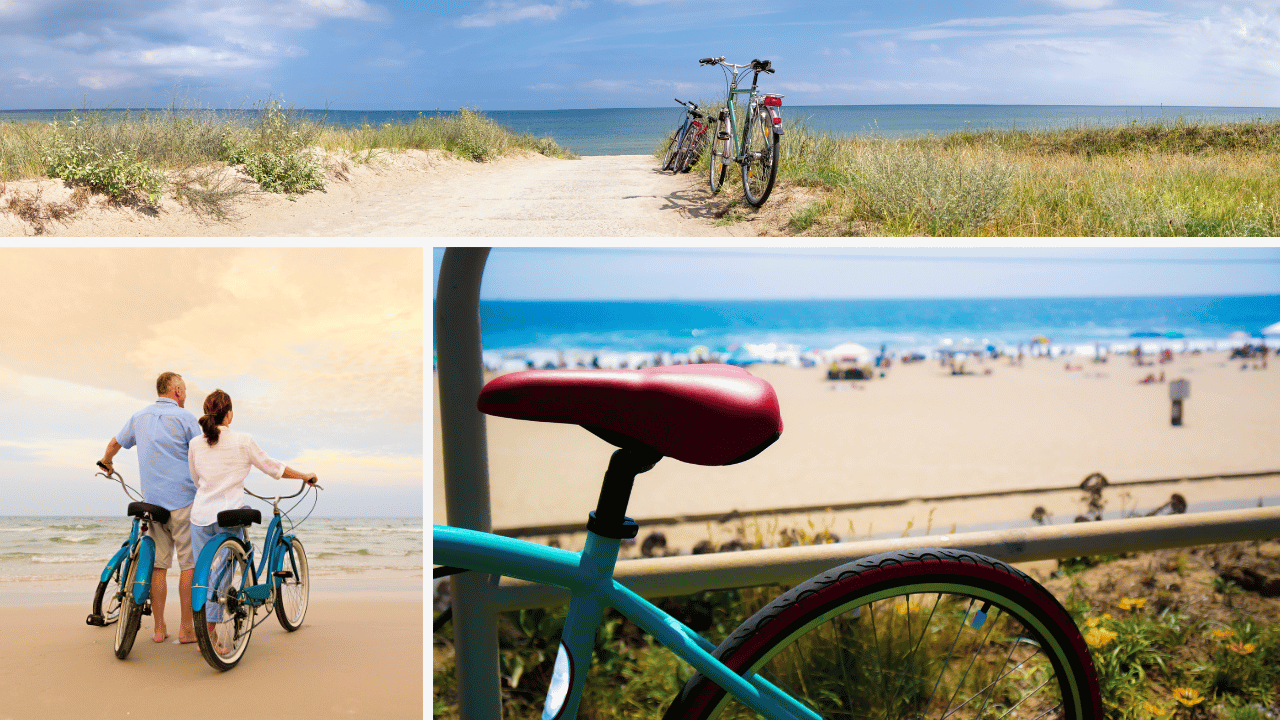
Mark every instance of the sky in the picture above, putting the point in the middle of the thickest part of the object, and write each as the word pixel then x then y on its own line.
pixel 554 54
pixel 319 349
pixel 725 273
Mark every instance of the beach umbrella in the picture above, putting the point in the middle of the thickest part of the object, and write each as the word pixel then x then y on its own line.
pixel 1272 330
pixel 847 352
pixel 1040 340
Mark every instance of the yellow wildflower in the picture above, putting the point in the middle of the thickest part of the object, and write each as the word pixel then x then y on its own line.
pixel 1091 622
pixel 1221 633
pixel 1106 616
pixel 1153 709
pixel 1129 603
pixel 1241 648
pixel 1187 696
pixel 1098 637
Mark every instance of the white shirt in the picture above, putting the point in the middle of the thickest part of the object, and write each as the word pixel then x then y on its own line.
pixel 219 472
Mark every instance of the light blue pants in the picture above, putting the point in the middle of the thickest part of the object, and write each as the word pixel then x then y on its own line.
pixel 200 536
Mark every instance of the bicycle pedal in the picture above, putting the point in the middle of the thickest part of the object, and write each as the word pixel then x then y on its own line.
pixel 146 610
pixel 95 620
pixel 283 574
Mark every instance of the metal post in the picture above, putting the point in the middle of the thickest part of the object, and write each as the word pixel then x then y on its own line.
pixel 466 474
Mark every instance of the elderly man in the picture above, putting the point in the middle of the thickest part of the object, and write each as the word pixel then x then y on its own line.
pixel 161 431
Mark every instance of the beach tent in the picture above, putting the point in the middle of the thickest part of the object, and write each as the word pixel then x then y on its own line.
pixel 1272 330
pixel 847 352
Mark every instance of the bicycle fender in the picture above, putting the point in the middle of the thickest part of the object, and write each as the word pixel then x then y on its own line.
pixel 200 580
pixel 142 571
pixel 278 558
pixel 777 126
pixel 114 562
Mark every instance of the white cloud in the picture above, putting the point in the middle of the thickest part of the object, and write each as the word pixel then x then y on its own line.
pixel 1080 4
pixel 102 79
pixel 361 469
pixel 500 12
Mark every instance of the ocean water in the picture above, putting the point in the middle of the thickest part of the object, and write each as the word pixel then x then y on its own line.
pixel 516 332
pixel 637 131
pixel 57 549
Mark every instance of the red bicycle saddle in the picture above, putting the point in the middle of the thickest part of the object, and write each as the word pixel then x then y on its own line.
pixel 699 414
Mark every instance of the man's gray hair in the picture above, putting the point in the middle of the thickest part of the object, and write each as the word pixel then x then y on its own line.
pixel 166 381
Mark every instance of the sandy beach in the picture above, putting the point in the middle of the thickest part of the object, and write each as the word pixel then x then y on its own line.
pixel 356 656
pixel 921 432
pixel 415 193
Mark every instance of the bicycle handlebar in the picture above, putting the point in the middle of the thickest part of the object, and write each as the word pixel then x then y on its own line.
pixel 111 474
pixel 285 497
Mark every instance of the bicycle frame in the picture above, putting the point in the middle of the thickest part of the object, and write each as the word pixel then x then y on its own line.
pixel 588 576
pixel 733 150
pixel 255 593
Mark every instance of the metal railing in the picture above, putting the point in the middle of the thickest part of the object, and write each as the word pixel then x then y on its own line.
pixel 477 598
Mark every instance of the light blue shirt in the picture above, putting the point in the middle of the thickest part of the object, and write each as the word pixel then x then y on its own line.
pixel 162 432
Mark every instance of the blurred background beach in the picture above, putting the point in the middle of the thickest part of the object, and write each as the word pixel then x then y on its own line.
pixel 948 409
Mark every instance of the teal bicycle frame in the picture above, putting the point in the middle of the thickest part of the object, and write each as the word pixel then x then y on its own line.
pixel 251 592
pixel 588 575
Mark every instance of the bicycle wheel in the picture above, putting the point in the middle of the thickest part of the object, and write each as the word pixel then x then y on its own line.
pixel 912 634
pixel 669 157
pixel 294 591
pixel 760 164
pixel 693 153
pixel 720 153
pixel 130 613
pixel 106 600
pixel 232 619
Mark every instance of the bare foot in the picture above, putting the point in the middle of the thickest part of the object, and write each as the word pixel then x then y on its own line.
pixel 187 634
pixel 161 633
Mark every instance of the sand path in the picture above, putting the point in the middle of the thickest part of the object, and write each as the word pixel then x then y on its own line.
pixel 423 194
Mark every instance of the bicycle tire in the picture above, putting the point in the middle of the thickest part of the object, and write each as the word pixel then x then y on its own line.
pixel 789 642
pixel 682 149
pixel 760 159
pixel 673 145
pixel 720 155
pixel 106 604
pixel 294 592
pixel 693 153
pixel 130 611
pixel 233 618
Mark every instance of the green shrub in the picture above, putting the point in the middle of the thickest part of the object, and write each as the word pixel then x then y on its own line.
pixel 119 174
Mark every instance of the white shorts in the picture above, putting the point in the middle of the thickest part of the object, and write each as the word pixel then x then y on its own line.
pixel 171 536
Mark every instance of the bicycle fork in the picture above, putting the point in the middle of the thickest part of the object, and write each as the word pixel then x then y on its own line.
pixel 722 137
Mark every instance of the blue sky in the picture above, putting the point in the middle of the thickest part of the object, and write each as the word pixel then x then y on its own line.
pixel 324 368
pixel 683 273
pixel 548 54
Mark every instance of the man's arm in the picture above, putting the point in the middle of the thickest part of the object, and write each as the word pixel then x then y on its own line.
pixel 113 447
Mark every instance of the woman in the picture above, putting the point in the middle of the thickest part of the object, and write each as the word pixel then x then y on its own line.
pixel 219 461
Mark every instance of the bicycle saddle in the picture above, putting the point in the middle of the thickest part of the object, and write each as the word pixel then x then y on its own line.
pixel 700 414
pixel 147 511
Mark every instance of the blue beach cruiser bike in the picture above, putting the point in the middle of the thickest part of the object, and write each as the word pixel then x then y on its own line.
pixel 925 633
pixel 124 588
pixel 233 595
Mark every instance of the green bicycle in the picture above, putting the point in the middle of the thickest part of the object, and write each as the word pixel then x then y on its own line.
pixel 757 153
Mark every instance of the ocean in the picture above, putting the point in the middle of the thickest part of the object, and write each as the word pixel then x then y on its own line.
pixel 516 333
pixel 67 554
pixel 637 131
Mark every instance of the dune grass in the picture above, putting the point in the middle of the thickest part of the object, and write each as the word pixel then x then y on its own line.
pixel 1157 179
pixel 136 157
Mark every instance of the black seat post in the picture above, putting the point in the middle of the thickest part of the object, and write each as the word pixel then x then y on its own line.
pixel 609 518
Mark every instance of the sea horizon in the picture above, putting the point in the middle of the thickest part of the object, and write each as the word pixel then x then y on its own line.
pixel 639 130
pixel 614 332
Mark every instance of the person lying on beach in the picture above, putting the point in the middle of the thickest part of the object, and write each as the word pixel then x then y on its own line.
pixel 219 461
pixel 161 431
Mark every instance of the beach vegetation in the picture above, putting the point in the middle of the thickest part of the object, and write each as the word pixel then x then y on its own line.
pixel 1187 656
pixel 1154 179
pixel 137 157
